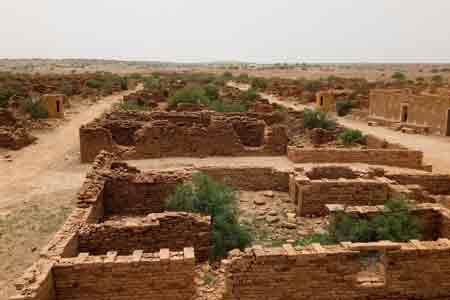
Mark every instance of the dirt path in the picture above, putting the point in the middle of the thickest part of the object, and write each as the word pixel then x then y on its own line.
pixel 37 190
pixel 436 149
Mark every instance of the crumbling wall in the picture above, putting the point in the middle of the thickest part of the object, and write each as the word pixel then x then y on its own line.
pixel 15 138
pixel 139 194
pixel 313 196
pixel 157 276
pixel 172 230
pixel 250 131
pixel 37 283
pixel 414 270
pixel 438 184
pixel 93 140
pixel 390 157
pixel 164 139
pixel 250 178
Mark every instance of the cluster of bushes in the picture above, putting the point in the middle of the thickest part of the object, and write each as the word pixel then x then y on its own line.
pixel 258 83
pixel 205 196
pixel 396 225
pixel 35 109
pixel 350 136
pixel 209 97
pixel 317 119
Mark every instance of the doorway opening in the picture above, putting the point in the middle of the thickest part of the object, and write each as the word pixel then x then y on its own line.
pixel 404 117
pixel 321 100
pixel 448 123
pixel 57 107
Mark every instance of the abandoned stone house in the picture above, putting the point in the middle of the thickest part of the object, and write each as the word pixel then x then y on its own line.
pixel 424 112
pixel 326 100
pixel 54 104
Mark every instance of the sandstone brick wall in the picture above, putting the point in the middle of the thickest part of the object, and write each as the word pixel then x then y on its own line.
pixel 250 178
pixel 414 270
pixel 197 134
pixel 172 230
pixel 313 196
pixel 438 184
pixel 140 194
pixel 390 157
pixel 429 110
pixel 93 140
pixel 146 276
pixel 37 283
pixel 165 139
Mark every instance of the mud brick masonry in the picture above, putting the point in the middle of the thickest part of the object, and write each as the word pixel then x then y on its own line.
pixel 120 244
pixel 426 112
pixel 313 188
pixel 194 134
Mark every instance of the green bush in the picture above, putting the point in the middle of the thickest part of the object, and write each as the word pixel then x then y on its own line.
pixel 399 76
pixel 211 91
pixel 35 109
pixel 66 88
pixel 208 197
pixel 189 94
pixel 152 83
pixel 396 224
pixel 350 136
pixel 323 239
pixel 258 83
pixel 312 86
pixel 317 119
pixel 94 84
pixel 250 95
pixel 243 77
pixel 343 108
pixel 5 94
pixel 227 75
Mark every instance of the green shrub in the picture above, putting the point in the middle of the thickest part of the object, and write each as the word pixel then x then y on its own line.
pixel 350 136
pixel 152 83
pixel 211 91
pixel 5 94
pixel 94 84
pixel 258 83
pixel 396 224
pixel 227 75
pixel 35 109
pixel 208 197
pixel 343 108
pixel 66 88
pixel 250 95
pixel 399 76
pixel 312 86
pixel 243 77
pixel 189 94
pixel 323 239
pixel 317 119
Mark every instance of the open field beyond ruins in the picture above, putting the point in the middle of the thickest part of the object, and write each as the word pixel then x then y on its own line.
pixel 224 183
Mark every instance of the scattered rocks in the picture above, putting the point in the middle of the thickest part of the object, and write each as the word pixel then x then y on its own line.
pixel 272 219
pixel 269 194
pixel 259 201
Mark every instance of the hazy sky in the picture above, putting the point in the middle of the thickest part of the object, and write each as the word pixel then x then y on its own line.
pixel 209 30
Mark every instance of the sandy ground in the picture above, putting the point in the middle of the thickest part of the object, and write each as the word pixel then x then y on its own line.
pixel 37 190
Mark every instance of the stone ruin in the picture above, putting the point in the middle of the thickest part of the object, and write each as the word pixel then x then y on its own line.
pixel 137 135
pixel 13 134
pixel 119 243
pixel 320 147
